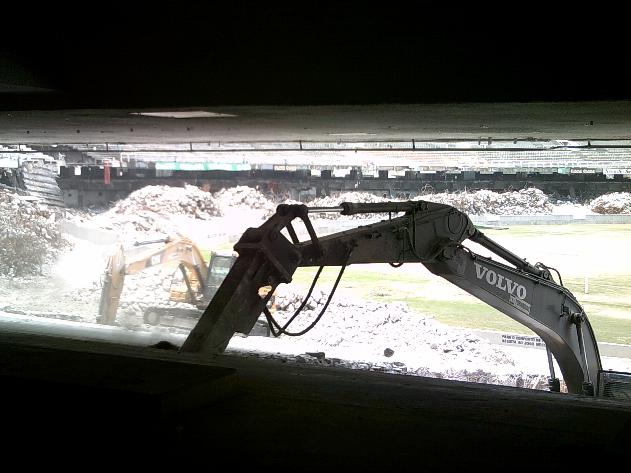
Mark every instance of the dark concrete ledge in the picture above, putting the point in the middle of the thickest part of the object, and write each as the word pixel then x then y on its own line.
pixel 307 418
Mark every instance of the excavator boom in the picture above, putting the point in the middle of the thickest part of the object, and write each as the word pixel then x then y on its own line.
pixel 427 233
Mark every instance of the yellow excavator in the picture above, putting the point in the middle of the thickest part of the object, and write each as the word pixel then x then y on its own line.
pixel 197 284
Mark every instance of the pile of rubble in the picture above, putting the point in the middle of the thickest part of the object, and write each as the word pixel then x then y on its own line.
pixel 243 197
pixel 385 325
pixel 191 201
pixel 153 209
pixel 529 201
pixel 149 210
pixel 613 203
pixel 473 375
pixel 30 237
pixel 389 337
pixel 523 202
pixel 156 210
pixel 188 200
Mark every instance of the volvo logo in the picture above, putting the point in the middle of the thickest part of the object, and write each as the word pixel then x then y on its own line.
pixel 500 281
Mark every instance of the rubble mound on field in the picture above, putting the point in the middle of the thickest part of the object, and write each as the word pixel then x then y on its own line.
pixel 392 324
pixel 243 197
pixel 350 322
pixel 188 200
pixel 391 338
pixel 150 208
pixel 530 201
pixel 30 236
pixel 613 203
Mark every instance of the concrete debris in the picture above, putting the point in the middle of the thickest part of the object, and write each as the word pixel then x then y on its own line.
pixel 318 355
pixel 529 201
pixel 243 196
pixel 157 211
pixel 188 200
pixel 391 338
pixel 473 375
pixel 286 300
pixel 30 236
pixel 383 329
pixel 145 222
pixel 387 337
pixel 150 212
pixel 613 203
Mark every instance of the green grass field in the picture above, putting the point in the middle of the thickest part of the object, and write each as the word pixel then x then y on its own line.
pixel 598 251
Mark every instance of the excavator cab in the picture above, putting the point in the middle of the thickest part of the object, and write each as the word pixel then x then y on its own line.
pixel 186 286
pixel 218 267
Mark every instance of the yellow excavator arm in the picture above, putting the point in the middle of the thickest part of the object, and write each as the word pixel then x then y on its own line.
pixel 178 252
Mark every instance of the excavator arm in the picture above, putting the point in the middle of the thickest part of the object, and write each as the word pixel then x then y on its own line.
pixel 427 233
pixel 180 251
pixel 545 307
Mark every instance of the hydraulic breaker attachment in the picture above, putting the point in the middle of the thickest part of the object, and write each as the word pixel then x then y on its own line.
pixel 266 258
